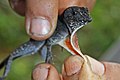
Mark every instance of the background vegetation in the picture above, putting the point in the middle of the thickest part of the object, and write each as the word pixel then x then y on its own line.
pixel 94 39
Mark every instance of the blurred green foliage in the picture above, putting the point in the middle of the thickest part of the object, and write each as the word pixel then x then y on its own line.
pixel 94 39
pixel 104 29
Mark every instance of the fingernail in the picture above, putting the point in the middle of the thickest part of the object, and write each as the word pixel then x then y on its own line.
pixel 96 66
pixel 40 73
pixel 73 65
pixel 39 26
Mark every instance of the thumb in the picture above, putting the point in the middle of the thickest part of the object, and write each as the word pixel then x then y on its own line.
pixel 45 72
pixel 41 18
pixel 75 68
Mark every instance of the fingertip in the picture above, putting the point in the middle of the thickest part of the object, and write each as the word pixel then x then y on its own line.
pixel 63 4
pixel 90 4
pixel 45 72
pixel 112 70
pixel 96 66
pixel 73 64
pixel 41 18
pixel 18 6
pixel 39 28
pixel 72 67
pixel 40 72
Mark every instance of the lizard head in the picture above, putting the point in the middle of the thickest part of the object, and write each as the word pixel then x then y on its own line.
pixel 76 17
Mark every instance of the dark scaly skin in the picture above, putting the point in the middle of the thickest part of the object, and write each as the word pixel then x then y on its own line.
pixel 71 19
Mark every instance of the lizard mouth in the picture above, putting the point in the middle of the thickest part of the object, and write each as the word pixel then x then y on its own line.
pixel 74 18
pixel 74 42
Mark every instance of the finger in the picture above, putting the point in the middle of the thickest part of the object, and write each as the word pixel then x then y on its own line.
pixel 72 67
pixel 75 68
pixel 93 70
pixel 45 72
pixel 63 4
pixel 90 4
pixel 41 18
pixel 61 78
pixel 18 6
pixel 112 71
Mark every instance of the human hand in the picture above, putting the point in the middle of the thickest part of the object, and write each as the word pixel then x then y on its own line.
pixel 75 68
pixel 41 15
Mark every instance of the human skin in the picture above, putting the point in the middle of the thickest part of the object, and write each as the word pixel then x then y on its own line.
pixel 74 68
pixel 40 22
pixel 41 15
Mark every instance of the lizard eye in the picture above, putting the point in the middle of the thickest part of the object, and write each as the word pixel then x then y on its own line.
pixel 18 6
